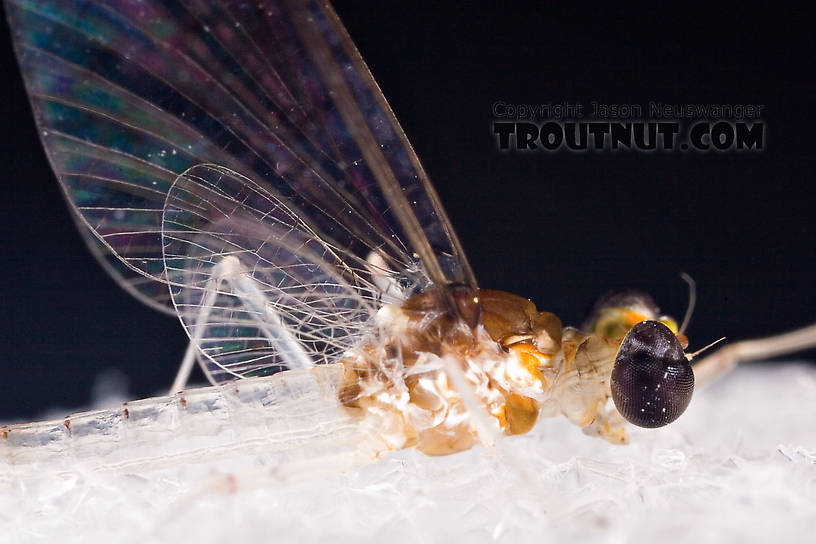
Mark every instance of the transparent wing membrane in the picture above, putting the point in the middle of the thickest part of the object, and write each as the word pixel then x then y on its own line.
pixel 128 95
pixel 269 255
pixel 254 285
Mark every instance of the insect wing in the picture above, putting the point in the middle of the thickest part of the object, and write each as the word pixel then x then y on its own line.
pixel 128 95
pixel 255 287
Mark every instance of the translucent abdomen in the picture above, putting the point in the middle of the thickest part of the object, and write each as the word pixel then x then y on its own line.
pixel 292 415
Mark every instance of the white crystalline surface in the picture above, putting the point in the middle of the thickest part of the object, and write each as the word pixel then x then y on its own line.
pixel 739 466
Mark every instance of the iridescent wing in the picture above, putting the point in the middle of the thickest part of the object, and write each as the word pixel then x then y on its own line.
pixel 159 117
pixel 129 94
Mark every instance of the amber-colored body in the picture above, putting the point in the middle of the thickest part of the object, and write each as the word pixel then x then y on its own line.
pixel 520 362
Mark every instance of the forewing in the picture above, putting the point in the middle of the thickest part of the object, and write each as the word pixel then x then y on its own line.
pixel 129 94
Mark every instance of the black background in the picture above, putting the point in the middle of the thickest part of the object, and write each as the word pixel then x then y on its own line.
pixel 558 228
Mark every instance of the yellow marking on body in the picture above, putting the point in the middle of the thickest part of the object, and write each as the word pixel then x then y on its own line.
pixel 532 360
pixel 501 415
pixel 670 323
pixel 633 318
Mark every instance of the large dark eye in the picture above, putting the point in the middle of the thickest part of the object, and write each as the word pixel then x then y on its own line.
pixel 652 380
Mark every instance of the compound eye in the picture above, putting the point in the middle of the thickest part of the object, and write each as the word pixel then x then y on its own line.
pixel 652 380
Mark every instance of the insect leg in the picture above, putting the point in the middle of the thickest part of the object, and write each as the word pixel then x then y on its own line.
pixel 229 271
pixel 383 278
pixel 278 333
pixel 481 420
pixel 710 368
pixel 183 374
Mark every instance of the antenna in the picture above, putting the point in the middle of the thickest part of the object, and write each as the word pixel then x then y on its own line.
pixel 691 303
pixel 691 356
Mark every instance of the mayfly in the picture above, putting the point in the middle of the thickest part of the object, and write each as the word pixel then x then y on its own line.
pixel 236 165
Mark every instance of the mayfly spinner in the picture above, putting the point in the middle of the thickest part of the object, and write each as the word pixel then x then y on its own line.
pixel 235 164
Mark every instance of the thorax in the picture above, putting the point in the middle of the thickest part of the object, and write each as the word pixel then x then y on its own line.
pixel 520 363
